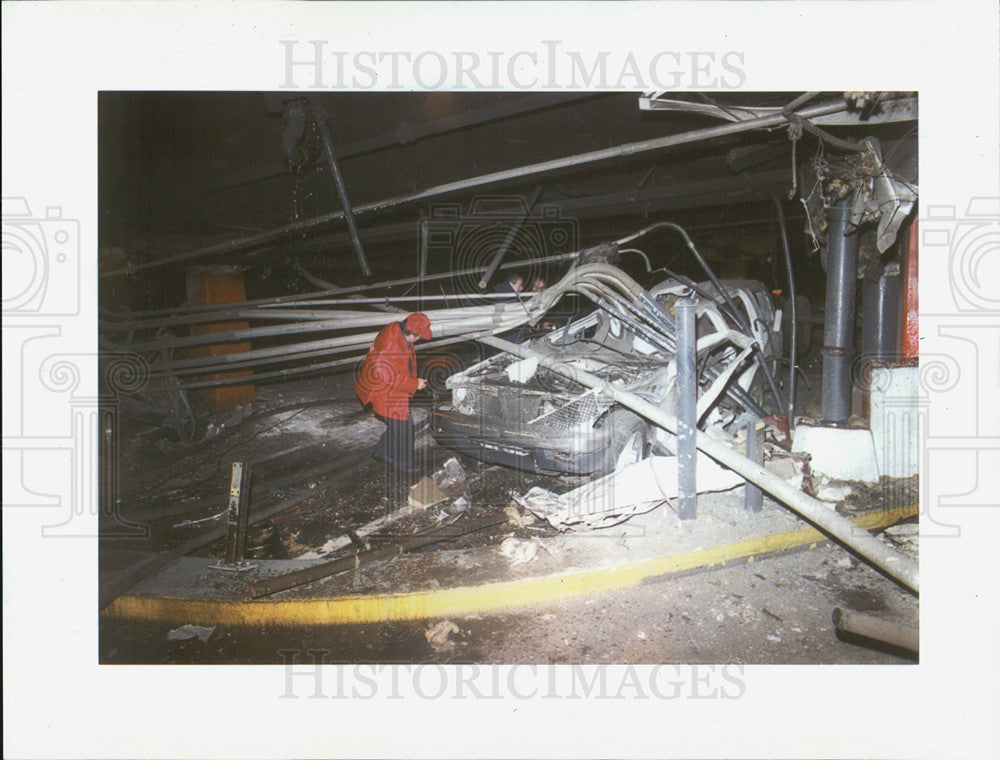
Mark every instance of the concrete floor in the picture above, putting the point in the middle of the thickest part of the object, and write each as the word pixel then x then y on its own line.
pixel 774 610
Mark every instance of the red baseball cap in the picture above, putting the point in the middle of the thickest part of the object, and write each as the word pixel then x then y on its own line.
pixel 418 324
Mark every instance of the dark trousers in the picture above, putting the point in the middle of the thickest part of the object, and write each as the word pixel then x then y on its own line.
pixel 396 444
pixel 396 448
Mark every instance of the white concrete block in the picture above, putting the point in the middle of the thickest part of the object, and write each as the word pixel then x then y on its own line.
pixel 838 453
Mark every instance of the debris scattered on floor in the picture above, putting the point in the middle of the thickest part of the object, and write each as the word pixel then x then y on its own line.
pixel 461 504
pixel 190 632
pixel 905 537
pixel 833 493
pixel 517 518
pixel 452 478
pixel 438 635
pixel 789 469
pixel 633 490
pixel 518 550
pixel 426 494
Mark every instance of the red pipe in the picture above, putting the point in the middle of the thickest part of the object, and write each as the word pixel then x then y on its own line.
pixel 910 346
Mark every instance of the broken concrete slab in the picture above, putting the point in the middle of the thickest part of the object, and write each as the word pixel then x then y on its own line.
pixel 838 453
pixel 635 489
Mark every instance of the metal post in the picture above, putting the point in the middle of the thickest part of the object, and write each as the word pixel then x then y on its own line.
pixel 838 343
pixel 880 316
pixel 753 496
pixel 239 514
pixel 687 392
pixel 492 268
pixel 319 114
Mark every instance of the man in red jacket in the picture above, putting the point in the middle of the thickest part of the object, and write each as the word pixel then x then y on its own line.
pixel 387 380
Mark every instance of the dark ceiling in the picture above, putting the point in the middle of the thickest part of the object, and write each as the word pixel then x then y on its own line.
pixel 182 170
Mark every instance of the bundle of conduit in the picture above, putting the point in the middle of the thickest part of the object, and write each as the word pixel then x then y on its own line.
pixel 339 333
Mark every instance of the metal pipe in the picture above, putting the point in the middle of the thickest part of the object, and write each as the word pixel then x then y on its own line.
pixel 838 337
pixel 880 315
pixel 687 415
pixel 238 519
pixel 897 634
pixel 492 268
pixel 320 116
pixel 893 563
pixel 620 151
pixel 793 340
pixel 736 314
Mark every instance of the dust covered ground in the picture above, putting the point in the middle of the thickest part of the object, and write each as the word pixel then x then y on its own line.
pixel 311 441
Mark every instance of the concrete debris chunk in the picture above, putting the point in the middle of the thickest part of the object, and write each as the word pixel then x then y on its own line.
pixel 458 506
pixel 426 494
pixel 438 635
pixel 833 493
pixel 517 518
pixel 790 469
pixel 635 489
pixel 452 478
pixel 190 632
pixel 519 551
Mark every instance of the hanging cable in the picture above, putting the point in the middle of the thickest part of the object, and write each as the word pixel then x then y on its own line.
pixel 793 342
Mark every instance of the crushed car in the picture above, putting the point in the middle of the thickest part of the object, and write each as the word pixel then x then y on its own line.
pixel 509 411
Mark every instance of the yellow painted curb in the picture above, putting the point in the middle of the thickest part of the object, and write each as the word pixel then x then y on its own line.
pixel 466 600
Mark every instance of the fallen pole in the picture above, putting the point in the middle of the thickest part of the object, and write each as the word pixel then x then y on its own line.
pixel 872 627
pixel 326 569
pixel 893 563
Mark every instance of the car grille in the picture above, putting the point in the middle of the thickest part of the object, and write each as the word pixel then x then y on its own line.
pixel 583 409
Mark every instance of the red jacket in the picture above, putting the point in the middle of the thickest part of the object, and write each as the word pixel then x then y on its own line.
pixel 389 375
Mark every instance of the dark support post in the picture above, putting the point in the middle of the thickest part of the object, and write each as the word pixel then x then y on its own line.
pixel 838 341
pixel 753 496
pixel 239 513
pixel 687 392
pixel 319 114
pixel 880 316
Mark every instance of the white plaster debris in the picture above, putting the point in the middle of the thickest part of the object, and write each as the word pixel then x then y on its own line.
pixel 522 371
pixel 519 551
pixel 833 493
pixel 438 635
pixel 320 424
pixel 190 632
pixel 517 518
pixel 635 489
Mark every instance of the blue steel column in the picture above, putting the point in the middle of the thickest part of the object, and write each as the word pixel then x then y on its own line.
pixel 687 393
